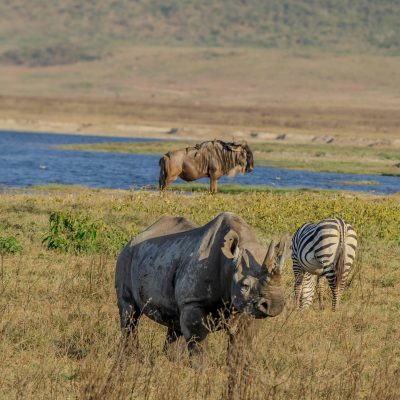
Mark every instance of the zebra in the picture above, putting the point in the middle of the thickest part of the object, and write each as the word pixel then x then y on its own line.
pixel 328 249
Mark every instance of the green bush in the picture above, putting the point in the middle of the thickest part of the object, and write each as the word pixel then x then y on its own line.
pixel 9 245
pixel 79 234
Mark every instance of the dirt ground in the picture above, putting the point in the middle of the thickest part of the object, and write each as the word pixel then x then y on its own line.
pixel 193 93
pixel 176 121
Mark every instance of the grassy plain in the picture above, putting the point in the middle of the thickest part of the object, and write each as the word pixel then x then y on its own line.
pixel 59 324
pixel 142 68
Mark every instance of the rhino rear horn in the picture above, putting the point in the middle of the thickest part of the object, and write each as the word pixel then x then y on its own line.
pixel 282 253
pixel 269 260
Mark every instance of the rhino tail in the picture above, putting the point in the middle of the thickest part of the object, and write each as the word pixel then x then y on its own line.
pixel 164 170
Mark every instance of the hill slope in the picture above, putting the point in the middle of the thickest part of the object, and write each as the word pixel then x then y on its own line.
pixel 36 31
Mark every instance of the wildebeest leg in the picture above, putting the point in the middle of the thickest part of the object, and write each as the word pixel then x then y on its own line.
pixel 213 184
pixel 167 181
pixel 167 175
pixel 193 328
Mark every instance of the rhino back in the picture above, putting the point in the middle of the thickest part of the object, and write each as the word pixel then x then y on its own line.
pixel 164 226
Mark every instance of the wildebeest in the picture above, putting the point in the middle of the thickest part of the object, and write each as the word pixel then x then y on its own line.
pixel 179 275
pixel 211 159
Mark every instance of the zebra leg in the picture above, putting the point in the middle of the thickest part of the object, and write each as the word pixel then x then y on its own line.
pixel 308 290
pixel 335 289
pixel 336 297
pixel 298 282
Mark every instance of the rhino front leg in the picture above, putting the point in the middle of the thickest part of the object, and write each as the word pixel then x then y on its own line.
pixel 172 336
pixel 193 327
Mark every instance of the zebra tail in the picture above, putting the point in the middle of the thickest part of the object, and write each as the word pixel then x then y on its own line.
pixel 340 263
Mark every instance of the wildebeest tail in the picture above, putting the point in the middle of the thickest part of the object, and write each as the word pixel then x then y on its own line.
pixel 164 168
pixel 341 259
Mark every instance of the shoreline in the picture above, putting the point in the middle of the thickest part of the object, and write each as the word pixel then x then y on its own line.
pixel 169 132
pixel 173 121
pixel 179 189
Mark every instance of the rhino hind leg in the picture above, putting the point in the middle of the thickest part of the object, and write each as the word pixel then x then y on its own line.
pixel 129 316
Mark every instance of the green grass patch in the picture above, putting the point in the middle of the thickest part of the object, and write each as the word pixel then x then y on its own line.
pixel 230 188
pixel 319 158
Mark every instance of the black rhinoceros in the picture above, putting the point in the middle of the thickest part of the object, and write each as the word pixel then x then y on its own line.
pixel 178 274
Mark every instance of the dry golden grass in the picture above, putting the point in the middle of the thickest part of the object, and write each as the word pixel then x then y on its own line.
pixel 59 321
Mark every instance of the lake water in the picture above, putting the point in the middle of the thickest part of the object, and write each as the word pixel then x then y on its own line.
pixel 27 159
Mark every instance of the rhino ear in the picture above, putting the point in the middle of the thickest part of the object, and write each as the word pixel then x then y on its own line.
pixel 231 248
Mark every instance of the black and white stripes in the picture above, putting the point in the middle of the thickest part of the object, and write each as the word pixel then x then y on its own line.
pixel 324 249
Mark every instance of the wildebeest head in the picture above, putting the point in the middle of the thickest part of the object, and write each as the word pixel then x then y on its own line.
pixel 245 155
pixel 256 289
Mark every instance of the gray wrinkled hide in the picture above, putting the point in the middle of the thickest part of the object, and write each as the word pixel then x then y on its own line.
pixel 176 274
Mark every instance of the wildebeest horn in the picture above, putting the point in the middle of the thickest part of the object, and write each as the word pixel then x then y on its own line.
pixel 270 257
